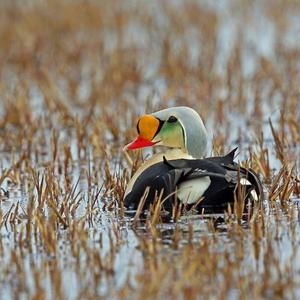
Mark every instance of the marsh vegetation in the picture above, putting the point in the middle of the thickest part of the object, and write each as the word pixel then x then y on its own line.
pixel 74 77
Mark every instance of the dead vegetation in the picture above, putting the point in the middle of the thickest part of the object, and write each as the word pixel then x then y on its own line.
pixel 74 76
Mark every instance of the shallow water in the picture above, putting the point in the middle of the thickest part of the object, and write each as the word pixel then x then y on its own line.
pixel 128 252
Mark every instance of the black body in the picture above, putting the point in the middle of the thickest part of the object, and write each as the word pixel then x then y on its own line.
pixel 164 177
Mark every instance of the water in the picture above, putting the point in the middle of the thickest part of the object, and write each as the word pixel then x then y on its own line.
pixel 100 252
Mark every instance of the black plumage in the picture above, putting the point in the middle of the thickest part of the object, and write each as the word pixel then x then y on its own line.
pixel 165 177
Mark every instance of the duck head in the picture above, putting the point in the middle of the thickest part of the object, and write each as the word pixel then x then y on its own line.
pixel 177 127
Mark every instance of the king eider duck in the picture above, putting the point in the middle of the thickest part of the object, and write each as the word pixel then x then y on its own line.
pixel 181 173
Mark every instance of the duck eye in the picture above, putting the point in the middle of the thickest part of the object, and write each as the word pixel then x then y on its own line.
pixel 172 119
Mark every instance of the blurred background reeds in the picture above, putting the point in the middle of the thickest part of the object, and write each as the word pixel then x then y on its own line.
pixel 75 76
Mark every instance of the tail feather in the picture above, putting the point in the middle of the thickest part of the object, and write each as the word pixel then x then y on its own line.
pixel 255 181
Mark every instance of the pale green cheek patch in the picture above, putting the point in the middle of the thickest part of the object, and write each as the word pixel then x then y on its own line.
pixel 171 135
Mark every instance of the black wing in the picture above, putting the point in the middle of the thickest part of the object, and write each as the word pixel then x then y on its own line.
pixel 164 178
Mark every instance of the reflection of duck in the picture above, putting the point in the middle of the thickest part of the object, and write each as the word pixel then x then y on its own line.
pixel 180 172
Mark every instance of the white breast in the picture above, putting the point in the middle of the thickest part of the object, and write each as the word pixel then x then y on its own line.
pixel 169 155
pixel 189 192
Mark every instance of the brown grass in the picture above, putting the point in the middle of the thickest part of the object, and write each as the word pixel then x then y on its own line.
pixel 74 76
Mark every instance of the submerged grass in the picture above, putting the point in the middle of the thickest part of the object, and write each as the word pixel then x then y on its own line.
pixel 74 76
